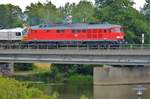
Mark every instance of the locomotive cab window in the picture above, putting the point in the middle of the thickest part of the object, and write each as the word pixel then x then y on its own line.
pixel 121 29
pixel 18 33
pixel 24 31
pixel 116 30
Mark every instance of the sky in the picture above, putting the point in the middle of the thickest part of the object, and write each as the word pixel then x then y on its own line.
pixel 23 3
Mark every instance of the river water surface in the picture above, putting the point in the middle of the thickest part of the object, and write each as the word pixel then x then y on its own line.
pixel 96 92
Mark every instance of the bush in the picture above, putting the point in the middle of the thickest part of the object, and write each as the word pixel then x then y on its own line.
pixel 80 80
pixel 12 89
pixel 85 97
pixel 23 66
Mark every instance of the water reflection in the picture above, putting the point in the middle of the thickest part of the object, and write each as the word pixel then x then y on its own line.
pixel 66 91
pixel 119 92
pixel 99 92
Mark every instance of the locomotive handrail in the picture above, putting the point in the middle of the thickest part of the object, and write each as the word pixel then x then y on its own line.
pixel 86 46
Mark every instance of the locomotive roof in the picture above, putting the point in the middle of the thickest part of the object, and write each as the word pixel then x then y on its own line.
pixel 75 26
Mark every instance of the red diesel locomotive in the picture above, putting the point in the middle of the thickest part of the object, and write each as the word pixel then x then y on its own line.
pixel 75 34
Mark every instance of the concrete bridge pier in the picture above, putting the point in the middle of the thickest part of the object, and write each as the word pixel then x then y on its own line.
pixel 118 82
pixel 7 69
pixel 121 75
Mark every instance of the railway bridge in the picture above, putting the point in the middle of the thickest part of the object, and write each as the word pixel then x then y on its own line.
pixel 78 56
pixel 122 56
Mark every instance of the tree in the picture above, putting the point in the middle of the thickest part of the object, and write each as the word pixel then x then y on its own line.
pixel 43 13
pixel 122 12
pixel 84 12
pixel 146 10
pixel 67 11
pixel 9 15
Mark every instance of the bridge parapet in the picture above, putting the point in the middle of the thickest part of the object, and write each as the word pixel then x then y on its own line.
pixel 74 56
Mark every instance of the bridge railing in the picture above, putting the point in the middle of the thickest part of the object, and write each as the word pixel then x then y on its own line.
pixel 56 46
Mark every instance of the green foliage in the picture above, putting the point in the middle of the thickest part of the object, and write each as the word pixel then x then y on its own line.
pixel 59 73
pixel 43 13
pixel 71 69
pixel 121 12
pixel 9 16
pixel 146 10
pixel 54 96
pixel 80 80
pixel 12 89
pixel 23 66
pixel 84 97
pixel 84 12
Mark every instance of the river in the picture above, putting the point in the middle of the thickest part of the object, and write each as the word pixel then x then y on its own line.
pixel 96 92
pixel 66 91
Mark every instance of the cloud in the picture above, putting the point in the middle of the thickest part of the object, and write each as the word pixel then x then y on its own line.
pixel 139 4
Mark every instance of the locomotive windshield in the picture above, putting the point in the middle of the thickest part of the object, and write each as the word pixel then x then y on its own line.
pixel 24 32
pixel 116 29
pixel 18 33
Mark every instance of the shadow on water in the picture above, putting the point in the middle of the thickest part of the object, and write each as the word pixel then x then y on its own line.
pixel 66 91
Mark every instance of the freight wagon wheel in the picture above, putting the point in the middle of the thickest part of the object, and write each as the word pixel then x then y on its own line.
pixel 13 46
pixel 41 46
pixel 4 46
pixel 21 46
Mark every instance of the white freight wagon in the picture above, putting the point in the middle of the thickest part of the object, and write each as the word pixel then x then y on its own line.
pixel 11 35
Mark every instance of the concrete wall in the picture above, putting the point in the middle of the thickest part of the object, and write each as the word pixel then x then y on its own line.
pixel 121 75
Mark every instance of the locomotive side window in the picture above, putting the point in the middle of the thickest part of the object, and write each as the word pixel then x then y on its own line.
pixel 18 33
pixel 34 31
pixel 47 30
pixel 105 31
pixel 84 30
pixel 60 31
pixel 75 31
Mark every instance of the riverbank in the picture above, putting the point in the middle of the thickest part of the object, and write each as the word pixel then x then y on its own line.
pixel 69 81
pixel 48 77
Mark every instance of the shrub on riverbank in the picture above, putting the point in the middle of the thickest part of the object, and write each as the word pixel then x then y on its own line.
pixel 80 80
pixel 12 89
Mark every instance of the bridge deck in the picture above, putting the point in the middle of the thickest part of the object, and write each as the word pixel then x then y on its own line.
pixel 78 56
pixel 78 51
